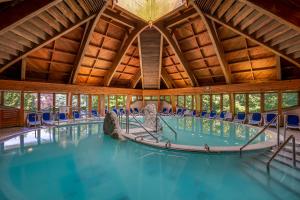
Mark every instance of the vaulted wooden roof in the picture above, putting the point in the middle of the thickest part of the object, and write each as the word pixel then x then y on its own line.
pixel 95 42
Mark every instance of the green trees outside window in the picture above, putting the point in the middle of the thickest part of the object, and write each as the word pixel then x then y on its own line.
pixel 12 99
pixel 60 100
pixel 254 103
pixel 271 101
pixel 30 101
pixel 180 101
pixel 216 98
pixel 112 102
pixel 133 98
pixel 189 102
pixel 289 99
pixel 226 102
pixel 147 98
pixel 206 102
pixel 121 101
pixel 46 101
pixel 240 103
pixel 95 102
pixel 75 101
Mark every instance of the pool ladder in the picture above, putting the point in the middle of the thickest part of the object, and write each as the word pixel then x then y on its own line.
pixel 262 130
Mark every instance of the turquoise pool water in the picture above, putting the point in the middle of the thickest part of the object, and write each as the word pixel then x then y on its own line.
pixel 198 132
pixel 79 162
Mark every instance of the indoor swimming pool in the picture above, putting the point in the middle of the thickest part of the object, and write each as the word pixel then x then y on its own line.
pixel 80 162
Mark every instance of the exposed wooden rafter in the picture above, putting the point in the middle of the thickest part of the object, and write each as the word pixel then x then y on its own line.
pixel 165 77
pixel 212 31
pixel 161 28
pixel 136 78
pixel 90 27
pixel 118 59
pixel 119 18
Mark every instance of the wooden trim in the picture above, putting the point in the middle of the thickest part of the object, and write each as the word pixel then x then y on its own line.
pixel 278 68
pixel 118 59
pixel 216 42
pixel 160 27
pixel 262 102
pixel 87 36
pixel 22 109
pixel 23 69
pixel 136 78
pixel 118 18
pixel 165 77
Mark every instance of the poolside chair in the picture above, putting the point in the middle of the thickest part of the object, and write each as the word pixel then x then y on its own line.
pixel 131 110
pixel 203 114
pixel 179 111
pixel 164 111
pixel 222 115
pixel 240 117
pixel 212 114
pixel 94 113
pixel 255 119
pixel 76 115
pixel 115 110
pixel 269 117
pixel 194 113
pixel 46 119
pixel 292 121
pixel 33 119
pixel 136 111
pixel 63 117
pixel 121 111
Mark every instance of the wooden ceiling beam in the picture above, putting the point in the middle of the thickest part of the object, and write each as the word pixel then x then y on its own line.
pixel 118 18
pixel 181 18
pixel 23 11
pixel 49 40
pixel 87 36
pixel 161 28
pixel 136 78
pixel 245 34
pixel 217 44
pixel 125 46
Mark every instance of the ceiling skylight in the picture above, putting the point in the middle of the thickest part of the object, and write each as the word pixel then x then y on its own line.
pixel 150 10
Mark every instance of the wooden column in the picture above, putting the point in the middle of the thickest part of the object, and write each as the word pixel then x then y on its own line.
pixel 200 105
pixel 102 104
pixel 69 103
pixel 128 102
pixel 54 102
pixel 2 98
pixel 22 110
pixel 198 109
pixel 173 103
pixel 38 101
pixel 247 104
pixel 210 102
pixel 99 104
pixel 158 103
pixel 279 107
pixel 23 69
pixel 108 102
pixel 262 102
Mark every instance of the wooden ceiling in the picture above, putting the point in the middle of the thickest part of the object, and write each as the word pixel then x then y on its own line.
pixel 94 42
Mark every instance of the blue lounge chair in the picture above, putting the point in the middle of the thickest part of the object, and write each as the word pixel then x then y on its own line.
pixel 46 119
pixel 131 110
pixel 292 121
pixel 212 114
pixel 115 110
pixel 194 113
pixel 222 115
pixel 179 111
pixel 95 113
pixel 164 111
pixel 121 111
pixel 63 117
pixel 240 117
pixel 76 115
pixel 255 119
pixel 269 117
pixel 136 110
pixel 33 120
pixel 203 114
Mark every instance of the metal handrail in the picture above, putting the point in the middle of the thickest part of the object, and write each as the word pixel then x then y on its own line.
pixel 261 131
pixel 144 129
pixel 168 126
pixel 291 137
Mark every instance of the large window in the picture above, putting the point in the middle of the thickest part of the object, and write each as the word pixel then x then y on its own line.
pixel 133 98
pixel 75 101
pixel 84 101
pixel 95 102
pixel 168 99
pixel 60 100
pixel 216 98
pixel 189 102
pixel 112 102
pixel 121 101
pixel 180 101
pixel 30 101
pixel 106 102
pixel 46 101
pixel 12 99
pixel 226 102
pixel 289 99
pixel 254 103
pixel 206 102
pixel 240 103
pixel 271 101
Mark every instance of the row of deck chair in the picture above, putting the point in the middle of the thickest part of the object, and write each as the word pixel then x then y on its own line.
pixel 48 119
